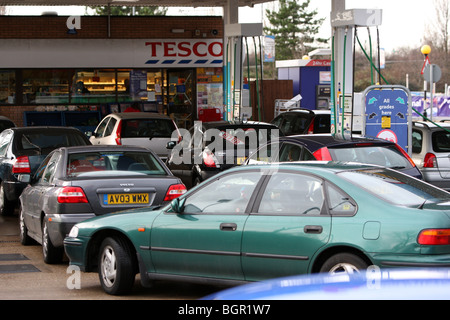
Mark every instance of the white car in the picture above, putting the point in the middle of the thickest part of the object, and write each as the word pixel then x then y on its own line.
pixel 150 130
pixel 431 152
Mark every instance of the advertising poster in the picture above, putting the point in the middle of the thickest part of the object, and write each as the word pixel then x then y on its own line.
pixel 138 85
pixel 269 49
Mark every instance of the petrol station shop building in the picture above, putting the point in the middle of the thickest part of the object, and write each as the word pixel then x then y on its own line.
pixel 59 70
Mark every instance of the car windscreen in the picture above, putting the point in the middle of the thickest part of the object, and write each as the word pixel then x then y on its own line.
pixel 295 123
pixel 147 128
pixel 386 155
pixel 49 140
pixel 113 164
pixel 395 187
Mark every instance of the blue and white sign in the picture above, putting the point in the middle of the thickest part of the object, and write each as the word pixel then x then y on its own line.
pixel 388 114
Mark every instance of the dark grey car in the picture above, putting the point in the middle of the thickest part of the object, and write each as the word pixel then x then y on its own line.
pixel 73 184
pixel 22 149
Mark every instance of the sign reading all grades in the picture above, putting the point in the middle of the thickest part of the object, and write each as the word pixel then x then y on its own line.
pixel 387 115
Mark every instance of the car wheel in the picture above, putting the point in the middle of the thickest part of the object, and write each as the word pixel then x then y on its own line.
pixel 51 253
pixel 6 207
pixel 24 238
pixel 344 263
pixel 116 267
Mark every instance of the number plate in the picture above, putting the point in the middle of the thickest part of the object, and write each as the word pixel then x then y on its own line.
pixel 241 160
pixel 125 198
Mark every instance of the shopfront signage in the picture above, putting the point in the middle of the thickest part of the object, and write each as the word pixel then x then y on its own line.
pixel 185 52
pixel 108 53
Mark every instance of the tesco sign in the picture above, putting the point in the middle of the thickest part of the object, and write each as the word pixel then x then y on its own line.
pixel 185 52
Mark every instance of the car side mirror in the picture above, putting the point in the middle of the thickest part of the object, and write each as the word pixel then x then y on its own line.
pixel 171 144
pixel 178 205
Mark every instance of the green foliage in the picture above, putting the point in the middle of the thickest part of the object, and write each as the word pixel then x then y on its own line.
pixel 295 29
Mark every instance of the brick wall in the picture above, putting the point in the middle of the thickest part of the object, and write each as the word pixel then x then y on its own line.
pixel 15 113
pixel 96 27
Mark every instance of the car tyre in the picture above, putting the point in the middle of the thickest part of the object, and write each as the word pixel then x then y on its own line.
pixel 6 206
pixel 51 253
pixel 24 237
pixel 116 266
pixel 344 263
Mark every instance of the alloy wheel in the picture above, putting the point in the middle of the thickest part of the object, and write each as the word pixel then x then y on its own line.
pixel 108 266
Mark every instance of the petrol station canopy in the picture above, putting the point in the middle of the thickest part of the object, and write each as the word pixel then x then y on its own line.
pixel 160 3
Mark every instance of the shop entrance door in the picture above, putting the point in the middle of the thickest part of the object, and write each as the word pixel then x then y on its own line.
pixel 181 96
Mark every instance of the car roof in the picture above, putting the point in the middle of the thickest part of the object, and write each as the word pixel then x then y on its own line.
pixel 431 125
pixel 329 139
pixel 105 148
pixel 304 110
pixel 46 128
pixel 237 124
pixel 139 115
pixel 311 166
pixel 3 118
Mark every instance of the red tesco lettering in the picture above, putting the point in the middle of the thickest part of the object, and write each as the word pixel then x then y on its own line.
pixel 185 49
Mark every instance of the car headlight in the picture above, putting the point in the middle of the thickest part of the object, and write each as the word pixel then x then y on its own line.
pixel 73 232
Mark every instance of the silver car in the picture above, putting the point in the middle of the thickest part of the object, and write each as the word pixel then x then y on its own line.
pixel 431 152
pixel 150 130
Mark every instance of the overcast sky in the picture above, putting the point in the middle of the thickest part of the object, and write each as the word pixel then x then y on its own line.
pixel 403 24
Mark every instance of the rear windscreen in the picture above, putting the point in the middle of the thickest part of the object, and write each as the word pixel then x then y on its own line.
pixel 386 156
pixel 148 128
pixel 49 140
pixel 395 187
pixel 100 164
pixel 441 141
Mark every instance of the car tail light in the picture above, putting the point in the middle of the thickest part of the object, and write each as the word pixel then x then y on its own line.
pixel 311 127
pixel 175 191
pixel 118 133
pixel 323 154
pixel 22 165
pixel 72 195
pixel 209 159
pixel 434 237
pixel 405 155
pixel 430 161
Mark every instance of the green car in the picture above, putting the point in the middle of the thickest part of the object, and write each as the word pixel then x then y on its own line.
pixel 265 221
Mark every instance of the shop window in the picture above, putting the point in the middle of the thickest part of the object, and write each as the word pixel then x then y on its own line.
pixel 94 86
pixel 7 86
pixel 209 94
pixel 181 96
pixel 44 86
pixel 155 87
pixel 123 85
pixel 135 85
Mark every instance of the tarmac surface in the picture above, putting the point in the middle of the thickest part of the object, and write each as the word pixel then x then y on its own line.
pixel 25 276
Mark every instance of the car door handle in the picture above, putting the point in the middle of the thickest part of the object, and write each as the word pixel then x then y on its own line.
pixel 228 226
pixel 313 229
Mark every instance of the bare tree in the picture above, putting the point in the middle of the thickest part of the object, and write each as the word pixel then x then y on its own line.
pixel 438 31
